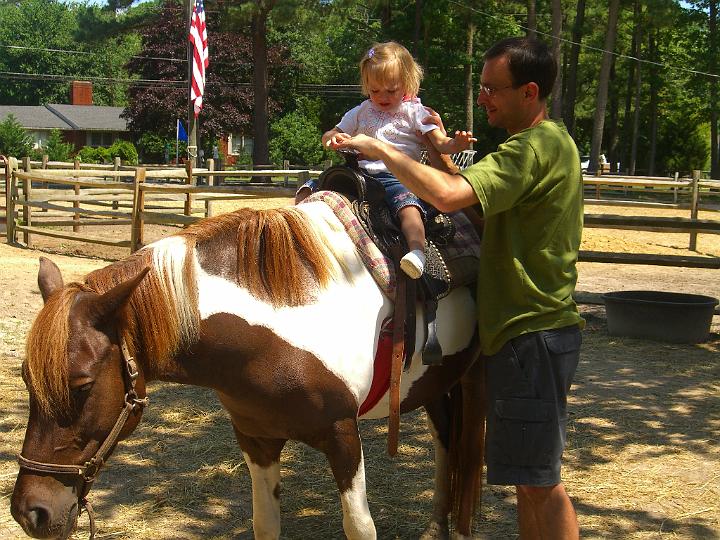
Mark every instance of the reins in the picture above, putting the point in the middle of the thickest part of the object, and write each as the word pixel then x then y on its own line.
pixel 90 469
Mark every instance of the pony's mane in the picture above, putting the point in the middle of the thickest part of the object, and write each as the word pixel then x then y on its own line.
pixel 277 250
pixel 46 362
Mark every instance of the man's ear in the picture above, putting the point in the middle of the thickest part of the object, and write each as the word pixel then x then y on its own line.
pixel 532 90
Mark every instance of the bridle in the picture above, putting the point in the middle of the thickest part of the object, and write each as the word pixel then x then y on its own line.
pixel 90 469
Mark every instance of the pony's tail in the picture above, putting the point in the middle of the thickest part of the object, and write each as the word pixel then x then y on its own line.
pixel 467 447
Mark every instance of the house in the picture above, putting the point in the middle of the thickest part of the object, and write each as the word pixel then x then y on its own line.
pixel 80 122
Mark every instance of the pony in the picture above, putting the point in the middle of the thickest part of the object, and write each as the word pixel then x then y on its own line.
pixel 273 310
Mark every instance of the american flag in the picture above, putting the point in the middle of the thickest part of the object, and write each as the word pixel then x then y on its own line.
pixel 201 60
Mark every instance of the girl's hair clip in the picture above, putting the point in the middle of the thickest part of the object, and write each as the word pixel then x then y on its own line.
pixel 371 52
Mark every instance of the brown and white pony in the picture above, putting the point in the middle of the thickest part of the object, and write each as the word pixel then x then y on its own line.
pixel 272 309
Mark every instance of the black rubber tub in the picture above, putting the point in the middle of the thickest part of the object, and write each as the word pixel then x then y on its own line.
pixel 661 316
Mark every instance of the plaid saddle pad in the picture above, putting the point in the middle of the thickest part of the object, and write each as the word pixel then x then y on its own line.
pixel 461 254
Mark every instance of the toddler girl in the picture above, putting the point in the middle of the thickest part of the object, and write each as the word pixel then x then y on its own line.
pixel 391 79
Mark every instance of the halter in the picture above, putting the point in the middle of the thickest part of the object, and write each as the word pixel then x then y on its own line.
pixel 90 469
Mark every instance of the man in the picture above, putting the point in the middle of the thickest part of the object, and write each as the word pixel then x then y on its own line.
pixel 530 193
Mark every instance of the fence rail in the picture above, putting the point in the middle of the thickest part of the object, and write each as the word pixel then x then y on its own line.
pixel 135 196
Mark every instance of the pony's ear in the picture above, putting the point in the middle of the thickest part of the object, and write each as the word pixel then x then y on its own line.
pixel 49 278
pixel 106 305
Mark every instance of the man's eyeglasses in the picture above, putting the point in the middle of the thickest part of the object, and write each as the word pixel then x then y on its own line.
pixel 490 91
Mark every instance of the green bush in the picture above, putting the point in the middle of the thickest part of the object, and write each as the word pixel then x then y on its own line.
pixel 296 136
pixel 91 154
pixel 125 150
pixel 56 149
pixel 14 140
pixel 152 148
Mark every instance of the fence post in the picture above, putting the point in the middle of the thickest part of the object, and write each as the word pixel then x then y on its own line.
pixel 190 182
pixel 210 163
pixel 675 189
pixel 694 207
pixel 116 167
pixel 286 166
pixel 136 229
pixel 10 203
pixel 76 204
pixel 27 211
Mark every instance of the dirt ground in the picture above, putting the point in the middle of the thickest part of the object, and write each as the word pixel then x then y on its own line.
pixel 643 456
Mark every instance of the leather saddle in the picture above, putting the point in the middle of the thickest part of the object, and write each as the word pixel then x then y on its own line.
pixel 366 196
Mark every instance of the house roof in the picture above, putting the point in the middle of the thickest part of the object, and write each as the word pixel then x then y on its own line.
pixel 66 117
pixel 33 117
pixel 90 117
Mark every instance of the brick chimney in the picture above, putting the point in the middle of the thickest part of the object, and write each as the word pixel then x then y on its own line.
pixel 81 93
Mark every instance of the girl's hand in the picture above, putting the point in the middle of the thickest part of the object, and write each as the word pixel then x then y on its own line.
pixel 463 140
pixel 336 140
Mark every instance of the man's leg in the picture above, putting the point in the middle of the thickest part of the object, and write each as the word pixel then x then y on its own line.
pixel 546 513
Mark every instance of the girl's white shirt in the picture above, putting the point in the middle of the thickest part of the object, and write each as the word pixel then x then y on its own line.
pixel 397 128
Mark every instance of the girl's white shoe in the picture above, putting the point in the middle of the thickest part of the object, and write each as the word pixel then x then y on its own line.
pixel 413 263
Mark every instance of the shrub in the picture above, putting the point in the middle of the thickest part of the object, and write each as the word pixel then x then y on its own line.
pixel 91 154
pixel 14 140
pixel 296 136
pixel 56 149
pixel 125 150
pixel 152 148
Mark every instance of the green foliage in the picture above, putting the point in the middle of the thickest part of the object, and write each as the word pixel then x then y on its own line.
pixel 14 141
pixel 125 150
pixel 687 147
pixel 91 154
pixel 56 149
pixel 152 148
pixel 296 136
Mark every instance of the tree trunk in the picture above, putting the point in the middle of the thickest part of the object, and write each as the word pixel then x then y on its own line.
pixel 654 57
pixel 613 127
pixel 571 84
pixel 712 23
pixel 531 19
pixel 602 93
pixel 636 108
pixel 261 155
pixel 556 103
pixel 627 124
pixel 469 95
pixel 418 28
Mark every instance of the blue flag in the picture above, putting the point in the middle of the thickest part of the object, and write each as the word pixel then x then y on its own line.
pixel 181 133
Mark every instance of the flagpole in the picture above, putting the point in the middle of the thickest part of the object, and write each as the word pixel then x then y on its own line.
pixel 192 126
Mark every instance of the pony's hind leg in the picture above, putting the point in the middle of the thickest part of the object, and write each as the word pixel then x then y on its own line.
pixel 263 460
pixel 438 413
pixel 343 449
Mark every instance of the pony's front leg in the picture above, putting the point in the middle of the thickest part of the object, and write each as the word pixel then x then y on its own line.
pixel 344 453
pixel 263 460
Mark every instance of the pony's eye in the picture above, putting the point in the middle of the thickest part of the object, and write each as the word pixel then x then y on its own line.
pixel 82 389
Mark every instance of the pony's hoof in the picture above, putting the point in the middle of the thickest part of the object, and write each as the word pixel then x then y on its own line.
pixel 436 531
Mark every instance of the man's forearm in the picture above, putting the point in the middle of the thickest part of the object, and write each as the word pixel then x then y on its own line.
pixel 446 192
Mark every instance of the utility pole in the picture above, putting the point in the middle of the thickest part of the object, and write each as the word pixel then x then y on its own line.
pixel 192 120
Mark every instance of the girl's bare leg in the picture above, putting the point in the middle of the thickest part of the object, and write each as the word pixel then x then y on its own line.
pixel 413 229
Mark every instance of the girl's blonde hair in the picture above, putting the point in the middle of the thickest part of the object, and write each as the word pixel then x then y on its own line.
pixel 388 61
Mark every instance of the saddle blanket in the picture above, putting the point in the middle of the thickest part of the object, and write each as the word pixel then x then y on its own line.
pixel 465 243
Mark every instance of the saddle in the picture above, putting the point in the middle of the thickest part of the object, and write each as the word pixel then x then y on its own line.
pixel 366 197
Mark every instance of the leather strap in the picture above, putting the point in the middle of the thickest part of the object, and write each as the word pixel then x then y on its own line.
pixel 398 350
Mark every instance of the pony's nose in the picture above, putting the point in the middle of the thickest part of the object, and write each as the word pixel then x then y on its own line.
pixel 38 517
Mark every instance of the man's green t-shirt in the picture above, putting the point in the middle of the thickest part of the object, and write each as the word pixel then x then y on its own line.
pixel 531 192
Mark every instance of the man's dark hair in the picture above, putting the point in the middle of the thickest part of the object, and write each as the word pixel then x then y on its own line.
pixel 529 60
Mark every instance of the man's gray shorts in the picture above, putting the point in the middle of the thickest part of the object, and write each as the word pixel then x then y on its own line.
pixel 527 385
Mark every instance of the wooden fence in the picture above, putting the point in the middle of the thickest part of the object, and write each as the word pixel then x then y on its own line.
pixel 692 194
pixel 137 196
pixel 126 197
